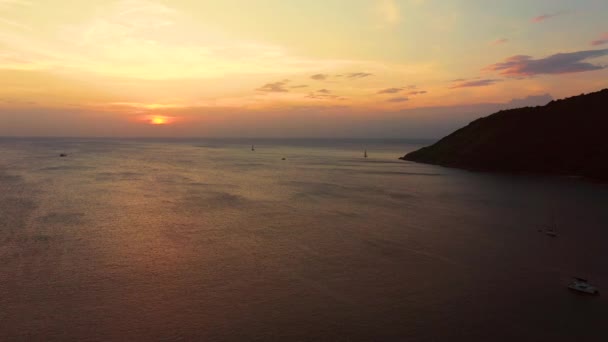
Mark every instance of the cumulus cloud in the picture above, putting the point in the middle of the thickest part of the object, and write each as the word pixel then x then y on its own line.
pixel 275 87
pixel 398 99
pixel 603 39
pixel 319 77
pixel 474 83
pixel 358 75
pixel 561 63
pixel 390 90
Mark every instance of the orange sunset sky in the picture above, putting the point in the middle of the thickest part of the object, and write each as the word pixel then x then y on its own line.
pixel 270 68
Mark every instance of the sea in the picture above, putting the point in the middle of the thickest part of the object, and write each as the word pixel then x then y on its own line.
pixel 296 240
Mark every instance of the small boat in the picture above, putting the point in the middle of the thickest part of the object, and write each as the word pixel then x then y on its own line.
pixel 252 148
pixel 365 153
pixel 63 155
pixel 551 230
pixel 581 285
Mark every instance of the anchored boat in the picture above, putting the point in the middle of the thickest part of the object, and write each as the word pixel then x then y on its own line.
pixel 582 285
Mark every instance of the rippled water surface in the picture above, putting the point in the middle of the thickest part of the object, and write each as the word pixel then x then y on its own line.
pixel 207 240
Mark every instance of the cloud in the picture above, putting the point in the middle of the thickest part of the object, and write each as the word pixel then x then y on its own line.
pixel 561 63
pixel 419 92
pixel 358 75
pixel 275 87
pixel 398 99
pixel 603 39
pixel 324 91
pixel 544 17
pixel 319 77
pixel 475 83
pixel 322 96
pixel 500 41
pixel 390 90
pixel 299 86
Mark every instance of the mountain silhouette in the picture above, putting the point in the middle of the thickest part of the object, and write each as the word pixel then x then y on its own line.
pixel 565 137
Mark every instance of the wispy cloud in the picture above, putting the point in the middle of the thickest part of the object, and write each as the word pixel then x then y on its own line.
pixel 299 86
pixel 474 83
pixel 398 99
pixel 319 77
pixel 419 92
pixel 500 41
pixel 544 17
pixel 603 39
pixel 324 91
pixel 561 63
pixel 321 96
pixel 390 90
pixel 358 75
pixel 275 87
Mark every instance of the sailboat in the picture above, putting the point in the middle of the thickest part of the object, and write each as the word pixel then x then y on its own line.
pixel 365 153
pixel 551 229
pixel 252 148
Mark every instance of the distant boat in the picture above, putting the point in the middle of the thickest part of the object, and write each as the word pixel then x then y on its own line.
pixel 551 229
pixel 365 153
pixel 582 285
pixel 252 148
pixel 63 155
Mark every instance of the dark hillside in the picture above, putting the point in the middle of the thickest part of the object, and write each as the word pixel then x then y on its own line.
pixel 565 137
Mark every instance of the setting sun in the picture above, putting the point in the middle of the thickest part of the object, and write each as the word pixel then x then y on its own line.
pixel 159 120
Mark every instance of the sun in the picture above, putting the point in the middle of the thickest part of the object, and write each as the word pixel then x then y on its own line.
pixel 159 120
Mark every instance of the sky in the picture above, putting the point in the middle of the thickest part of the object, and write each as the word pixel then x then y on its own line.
pixel 301 68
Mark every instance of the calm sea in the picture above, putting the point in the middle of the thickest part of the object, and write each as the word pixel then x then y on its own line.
pixel 207 240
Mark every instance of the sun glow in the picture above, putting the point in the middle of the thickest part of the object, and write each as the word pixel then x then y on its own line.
pixel 159 120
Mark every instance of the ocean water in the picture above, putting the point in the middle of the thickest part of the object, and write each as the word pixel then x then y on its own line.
pixel 208 240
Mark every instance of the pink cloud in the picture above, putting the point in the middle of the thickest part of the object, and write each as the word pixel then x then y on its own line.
pixel 500 41
pixel 600 41
pixel 544 17
pixel 561 63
